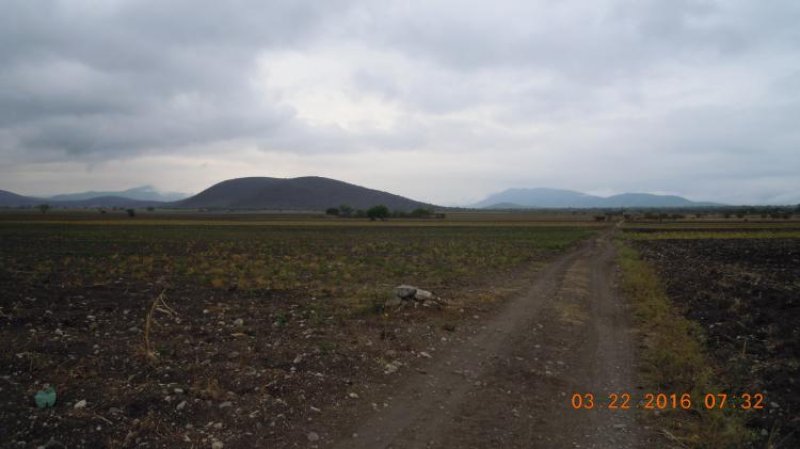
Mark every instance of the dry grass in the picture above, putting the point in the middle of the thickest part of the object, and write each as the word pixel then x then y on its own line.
pixel 673 359
pixel 159 304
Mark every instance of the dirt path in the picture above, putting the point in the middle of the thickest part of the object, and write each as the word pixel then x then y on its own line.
pixel 509 383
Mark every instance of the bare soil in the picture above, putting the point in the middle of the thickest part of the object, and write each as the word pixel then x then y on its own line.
pixel 267 369
pixel 746 296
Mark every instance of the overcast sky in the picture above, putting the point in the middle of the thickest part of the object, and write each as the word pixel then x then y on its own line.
pixel 441 101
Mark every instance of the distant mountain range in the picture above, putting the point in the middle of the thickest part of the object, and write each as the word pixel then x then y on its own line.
pixel 10 199
pixel 312 193
pixel 144 196
pixel 557 198
pixel 143 193
pixel 259 193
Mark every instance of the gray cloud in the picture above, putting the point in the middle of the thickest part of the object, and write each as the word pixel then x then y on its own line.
pixel 116 77
pixel 697 97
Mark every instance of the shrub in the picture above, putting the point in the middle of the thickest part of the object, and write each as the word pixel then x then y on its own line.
pixel 379 212
pixel 332 211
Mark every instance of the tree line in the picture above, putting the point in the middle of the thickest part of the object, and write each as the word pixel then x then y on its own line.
pixel 380 212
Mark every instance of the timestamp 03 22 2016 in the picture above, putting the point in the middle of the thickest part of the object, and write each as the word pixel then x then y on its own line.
pixel 666 401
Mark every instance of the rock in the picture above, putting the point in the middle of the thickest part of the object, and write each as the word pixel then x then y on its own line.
pixel 390 368
pixel 225 404
pixel 217 445
pixel 424 354
pixel 80 404
pixel 405 291
pixel 353 395
pixel 181 405
pixel 238 322
pixel 297 359
pixel 423 295
pixel 312 436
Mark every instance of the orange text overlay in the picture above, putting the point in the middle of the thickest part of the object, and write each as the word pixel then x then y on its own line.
pixel 667 401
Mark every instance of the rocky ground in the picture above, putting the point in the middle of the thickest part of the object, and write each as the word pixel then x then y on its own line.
pixel 218 368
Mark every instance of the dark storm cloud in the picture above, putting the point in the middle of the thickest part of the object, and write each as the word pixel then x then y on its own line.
pixel 112 77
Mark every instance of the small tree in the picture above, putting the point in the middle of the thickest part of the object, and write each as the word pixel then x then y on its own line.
pixel 379 212
pixel 44 208
pixel 332 211
pixel 131 212
pixel 345 210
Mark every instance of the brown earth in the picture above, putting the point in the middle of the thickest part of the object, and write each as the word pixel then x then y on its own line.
pixel 263 369
pixel 509 382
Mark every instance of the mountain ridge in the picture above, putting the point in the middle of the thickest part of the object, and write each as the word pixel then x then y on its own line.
pixel 140 193
pixel 301 193
pixel 319 193
pixel 542 197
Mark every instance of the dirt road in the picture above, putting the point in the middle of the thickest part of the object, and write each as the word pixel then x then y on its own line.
pixel 509 382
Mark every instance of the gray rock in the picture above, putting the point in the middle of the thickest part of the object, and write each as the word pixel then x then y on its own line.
pixel 405 291
pixel 392 367
pixel 312 436
pixel 423 295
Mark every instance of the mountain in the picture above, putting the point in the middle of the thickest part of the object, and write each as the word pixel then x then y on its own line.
pixel 650 200
pixel 142 193
pixel 556 198
pixel 539 197
pixel 10 199
pixel 106 201
pixel 503 206
pixel 305 193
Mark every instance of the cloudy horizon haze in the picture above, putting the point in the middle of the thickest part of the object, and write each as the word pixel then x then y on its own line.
pixel 443 101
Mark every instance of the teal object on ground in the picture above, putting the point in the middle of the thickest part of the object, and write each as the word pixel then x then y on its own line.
pixel 46 398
